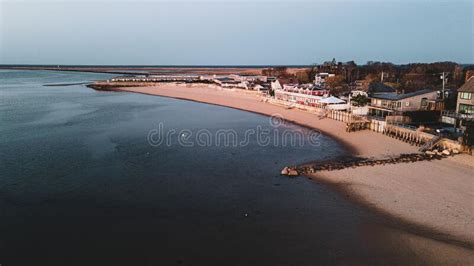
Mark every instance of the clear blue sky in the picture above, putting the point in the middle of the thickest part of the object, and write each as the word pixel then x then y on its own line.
pixel 234 33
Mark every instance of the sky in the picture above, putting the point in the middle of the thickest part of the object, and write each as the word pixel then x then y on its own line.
pixel 234 32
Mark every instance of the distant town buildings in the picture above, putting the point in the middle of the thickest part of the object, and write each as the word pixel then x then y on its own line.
pixel 249 78
pixel 158 78
pixel 228 82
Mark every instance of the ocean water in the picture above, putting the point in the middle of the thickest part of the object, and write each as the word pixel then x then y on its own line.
pixel 81 184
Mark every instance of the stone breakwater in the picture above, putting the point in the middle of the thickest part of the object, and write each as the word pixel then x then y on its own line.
pixel 354 162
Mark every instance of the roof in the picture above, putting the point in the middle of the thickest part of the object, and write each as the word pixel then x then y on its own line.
pixel 316 88
pixel 397 97
pixel 225 79
pixel 378 87
pixel 468 86
pixel 332 100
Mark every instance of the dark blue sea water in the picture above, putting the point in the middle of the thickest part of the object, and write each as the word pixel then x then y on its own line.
pixel 80 184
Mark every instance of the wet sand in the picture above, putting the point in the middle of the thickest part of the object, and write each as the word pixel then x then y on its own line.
pixel 435 197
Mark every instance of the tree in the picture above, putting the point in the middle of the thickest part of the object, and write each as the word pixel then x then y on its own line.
pixel 372 78
pixel 272 93
pixel 302 77
pixel 335 82
pixel 359 100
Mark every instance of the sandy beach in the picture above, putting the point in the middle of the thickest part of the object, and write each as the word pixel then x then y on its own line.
pixel 362 143
pixel 434 199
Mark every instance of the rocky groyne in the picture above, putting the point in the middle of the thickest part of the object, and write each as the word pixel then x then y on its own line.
pixel 354 162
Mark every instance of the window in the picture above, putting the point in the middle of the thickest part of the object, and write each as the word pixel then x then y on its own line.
pixel 424 102
pixel 466 109
pixel 465 95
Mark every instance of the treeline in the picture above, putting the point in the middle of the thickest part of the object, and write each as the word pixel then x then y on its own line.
pixel 407 77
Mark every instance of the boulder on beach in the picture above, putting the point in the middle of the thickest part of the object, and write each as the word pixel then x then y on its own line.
pixel 446 152
pixel 292 172
pixel 430 153
pixel 284 171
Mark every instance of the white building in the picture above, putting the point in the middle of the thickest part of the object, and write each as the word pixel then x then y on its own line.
pixel 320 78
pixel 275 85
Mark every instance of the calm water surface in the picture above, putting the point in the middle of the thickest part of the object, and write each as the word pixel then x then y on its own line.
pixel 81 185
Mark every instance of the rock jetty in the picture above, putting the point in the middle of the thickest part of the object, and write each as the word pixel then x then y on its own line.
pixel 354 162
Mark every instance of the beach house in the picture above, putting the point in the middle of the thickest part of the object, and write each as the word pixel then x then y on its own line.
pixel 464 106
pixel 385 104
pixel 465 100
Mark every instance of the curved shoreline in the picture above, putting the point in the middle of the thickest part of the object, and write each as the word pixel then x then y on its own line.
pixel 336 129
pixel 366 149
pixel 350 149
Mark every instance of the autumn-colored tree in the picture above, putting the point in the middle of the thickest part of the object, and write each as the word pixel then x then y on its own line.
pixel 372 77
pixel 335 82
pixel 302 76
pixel 406 78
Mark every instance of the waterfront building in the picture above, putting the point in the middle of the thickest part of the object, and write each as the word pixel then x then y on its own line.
pixel 306 89
pixel 305 94
pixel 334 103
pixel 249 78
pixel 385 104
pixel 464 106
pixel 465 100
pixel 228 82
pixel 299 98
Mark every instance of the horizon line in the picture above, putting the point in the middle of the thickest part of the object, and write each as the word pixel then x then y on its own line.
pixel 216 66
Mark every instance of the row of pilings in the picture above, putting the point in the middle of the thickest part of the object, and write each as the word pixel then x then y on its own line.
pixel 406 135
pixel 357 125
pixel 411 136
